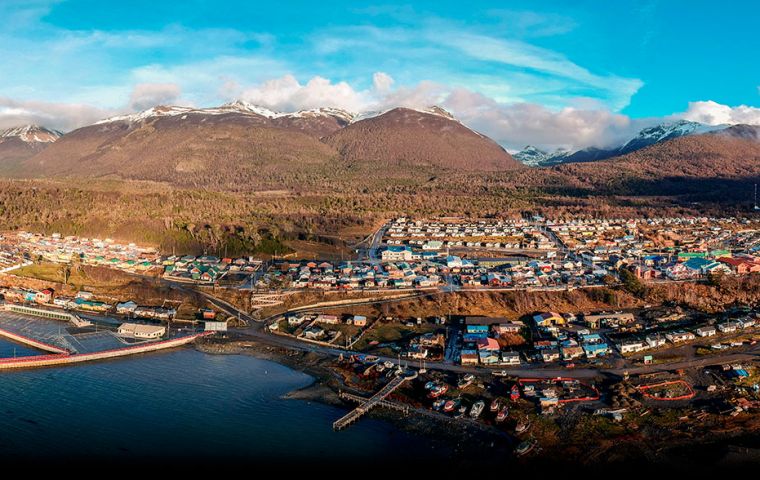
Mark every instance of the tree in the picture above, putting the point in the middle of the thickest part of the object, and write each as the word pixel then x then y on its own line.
pixel 631 283
pixel 66 273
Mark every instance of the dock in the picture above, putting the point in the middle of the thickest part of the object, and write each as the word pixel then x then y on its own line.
pixel 378 399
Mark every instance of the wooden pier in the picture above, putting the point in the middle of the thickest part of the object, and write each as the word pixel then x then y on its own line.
pixel 377 399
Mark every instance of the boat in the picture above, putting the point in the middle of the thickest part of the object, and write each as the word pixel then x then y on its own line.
pixel 465 381
pixel 525 447
pixel 477 408
pixel 502 415
pixel 451 405
pixel 514 394
pixel 522 426
pixel 438 390
pixel 495 405
pixel 500 373
pixel 438 404
pixel 388 364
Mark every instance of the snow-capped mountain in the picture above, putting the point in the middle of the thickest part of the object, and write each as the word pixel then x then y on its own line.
pixel 665 131
pixel 432 110
pixel 535 157
pixel 237 107
pixel 31 134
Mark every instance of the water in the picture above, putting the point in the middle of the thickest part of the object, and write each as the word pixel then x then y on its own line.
pixel 181 404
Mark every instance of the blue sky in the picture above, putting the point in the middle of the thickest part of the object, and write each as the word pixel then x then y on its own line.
pixel 552 73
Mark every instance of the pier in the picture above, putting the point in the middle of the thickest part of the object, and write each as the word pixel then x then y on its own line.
pixel 378 399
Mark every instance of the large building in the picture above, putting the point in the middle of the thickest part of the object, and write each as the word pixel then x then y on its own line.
pixel 138 330
pixel 402 253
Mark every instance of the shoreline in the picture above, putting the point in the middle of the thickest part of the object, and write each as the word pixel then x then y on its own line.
pixel 468 443
pixel 462 442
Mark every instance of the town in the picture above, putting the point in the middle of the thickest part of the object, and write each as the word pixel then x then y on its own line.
pixel 504 371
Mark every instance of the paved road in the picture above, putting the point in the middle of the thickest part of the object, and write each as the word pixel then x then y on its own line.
pixel 377 238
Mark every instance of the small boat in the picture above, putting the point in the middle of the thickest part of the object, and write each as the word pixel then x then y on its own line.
pixel 388 364
pixel 525 447
pixel 451 405
pixel 438 404
pixel 502 415
pixel 465 381
pixel 477 408
pixel 522 426
pixel 438 390
pixel 514 394
pixel 495 405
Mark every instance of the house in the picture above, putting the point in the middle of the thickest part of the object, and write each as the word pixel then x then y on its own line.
pixel 359 320
pixel 510 358
pixel 488 344
pixel 432 340
pixel 655 340
pixel 571 352
pixel 550 355
pixel 44 296
pixel 608 319
pixel 126 308
pixel 63 302
pixel 400 253
pixel 469 357
pixel 84 295
pixel 548 319
pixel 489 357
pixel 207 314
pixel 740 266
pixel 632 346
pixel 215 326
pixel 295 320
pixel 313 333
pixel 591 338
pixel 728 327
pixel 137 330
pixel 507 328
pixel 594 350
pixel 706 331
pixel 746 323
pixel 327 319
pixel 679 336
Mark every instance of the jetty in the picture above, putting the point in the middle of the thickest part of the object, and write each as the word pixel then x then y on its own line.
pixel 378 399
pixel 41 329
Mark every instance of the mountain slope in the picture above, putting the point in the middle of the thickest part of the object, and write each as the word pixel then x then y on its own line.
pixel 535 157
pixel 21 143
pixel 226 148
pixel 404 137
pixel 684 164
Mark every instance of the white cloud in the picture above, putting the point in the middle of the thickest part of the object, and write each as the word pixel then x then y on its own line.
pixel 382 82
pixel 514 125
pixel 519 124
pixel 147 95
pixel 713 113
pixel 60 116
pixel 287 94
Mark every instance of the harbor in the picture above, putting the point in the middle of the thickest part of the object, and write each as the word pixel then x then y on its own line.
pixel 67 339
